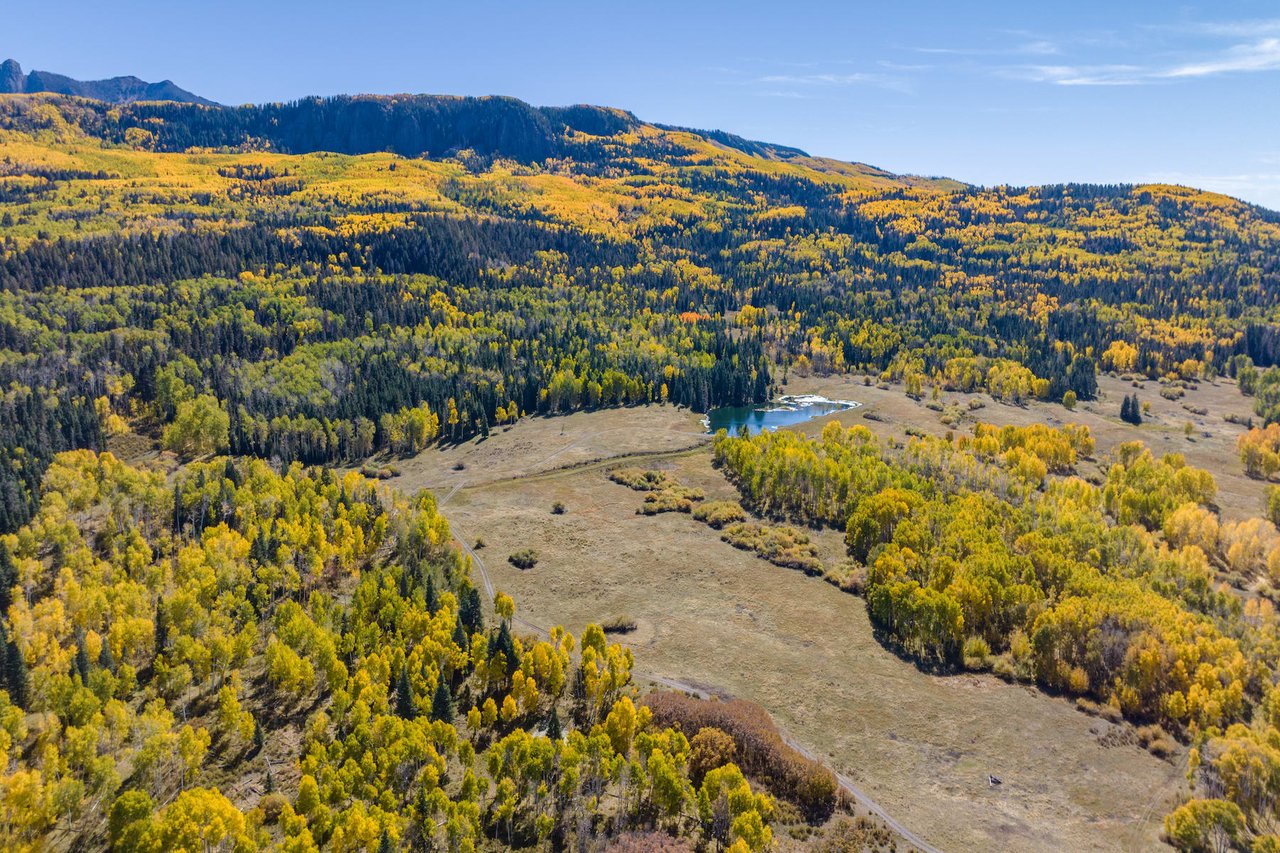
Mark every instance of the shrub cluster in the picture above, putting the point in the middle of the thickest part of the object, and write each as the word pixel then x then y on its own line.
pixel 525 558
pixel 620 624
pixel 761 751
pixel 719 513
pixel 781 545
pixel 673 498
pixel 640 479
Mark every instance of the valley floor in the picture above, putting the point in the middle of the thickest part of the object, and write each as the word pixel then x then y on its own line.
pixel 712 616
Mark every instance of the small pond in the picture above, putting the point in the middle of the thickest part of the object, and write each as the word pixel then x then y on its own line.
pixel 784 411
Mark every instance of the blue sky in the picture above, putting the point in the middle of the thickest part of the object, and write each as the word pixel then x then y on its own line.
pixel 995 92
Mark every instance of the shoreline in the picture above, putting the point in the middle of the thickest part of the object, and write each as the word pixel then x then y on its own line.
pixel 791 403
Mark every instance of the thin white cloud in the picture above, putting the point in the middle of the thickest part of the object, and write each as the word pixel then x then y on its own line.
pixel 783 93
pixel 900 66
pixel 1231 29
pixel 1078 75
pixel 1150 54
pixel 1259 56
pixel 1262 55
pixel 1042 47
pixel 823 79
pixel 1037 47
pixel 861 78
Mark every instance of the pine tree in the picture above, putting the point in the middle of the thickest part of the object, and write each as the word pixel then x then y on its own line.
pixel 404 696
pixel 469 610
pixel 15 674
pixel 460 638
pixel 8 578
pixel 1131 410
pixel 507 646
pixel 260 549
pixel 106 660
pixel 433 599
pixel 442 701
pixel 553 725
pixel 384 843
pixel 82 661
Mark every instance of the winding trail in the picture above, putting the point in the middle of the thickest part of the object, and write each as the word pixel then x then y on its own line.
pixel 861 796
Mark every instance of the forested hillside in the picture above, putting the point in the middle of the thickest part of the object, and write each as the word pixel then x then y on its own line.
pixel 545 260
pixel 989 552
pixel 314 283
pixel 222 657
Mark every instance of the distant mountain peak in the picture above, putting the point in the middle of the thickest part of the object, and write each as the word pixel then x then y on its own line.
pixel 116 90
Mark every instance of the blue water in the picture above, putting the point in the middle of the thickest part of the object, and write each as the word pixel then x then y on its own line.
pixel 785 411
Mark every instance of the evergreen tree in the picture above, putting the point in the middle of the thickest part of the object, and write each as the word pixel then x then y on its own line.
pixel 503 643
pixel 553 725
pixel 82 661
pixel 433 599
pixel 1131 410
pixel 260 549
pixel 469 610
pixel 15 674
pixel 442 701
pixel 460 638
pixel 8 578
pixel 404 696
pixel 384 843
pixel 106 659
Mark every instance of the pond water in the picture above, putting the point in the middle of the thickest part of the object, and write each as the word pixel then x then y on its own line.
pixel 784 411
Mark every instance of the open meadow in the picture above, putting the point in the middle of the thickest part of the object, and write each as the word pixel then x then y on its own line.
pixel 709 615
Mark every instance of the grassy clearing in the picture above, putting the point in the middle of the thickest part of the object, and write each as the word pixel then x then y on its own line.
pixel 543 444
pixel 707 613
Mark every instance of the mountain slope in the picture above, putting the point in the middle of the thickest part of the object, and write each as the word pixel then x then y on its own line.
pixel 600 259
pixel 115 90
pixel 336 280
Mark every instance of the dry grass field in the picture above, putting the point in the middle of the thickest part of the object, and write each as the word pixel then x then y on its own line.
pixel 543 444
pixel 707 614
pixel 710 615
